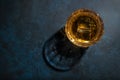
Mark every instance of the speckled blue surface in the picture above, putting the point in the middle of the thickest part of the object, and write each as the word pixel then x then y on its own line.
pixel 26 24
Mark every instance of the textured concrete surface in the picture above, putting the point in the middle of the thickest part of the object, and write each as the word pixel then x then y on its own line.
pixel 26 24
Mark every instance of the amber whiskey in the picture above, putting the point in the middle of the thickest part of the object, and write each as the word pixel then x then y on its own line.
pixel 84 28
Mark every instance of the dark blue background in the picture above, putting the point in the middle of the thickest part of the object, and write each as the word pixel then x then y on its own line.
pixel 26 24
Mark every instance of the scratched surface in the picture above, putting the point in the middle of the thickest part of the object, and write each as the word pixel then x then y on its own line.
pixel 26 24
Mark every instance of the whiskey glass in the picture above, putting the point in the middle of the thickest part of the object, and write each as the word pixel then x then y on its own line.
pixel 66 47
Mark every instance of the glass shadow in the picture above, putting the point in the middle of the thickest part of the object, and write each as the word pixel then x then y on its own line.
pixel 61 54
